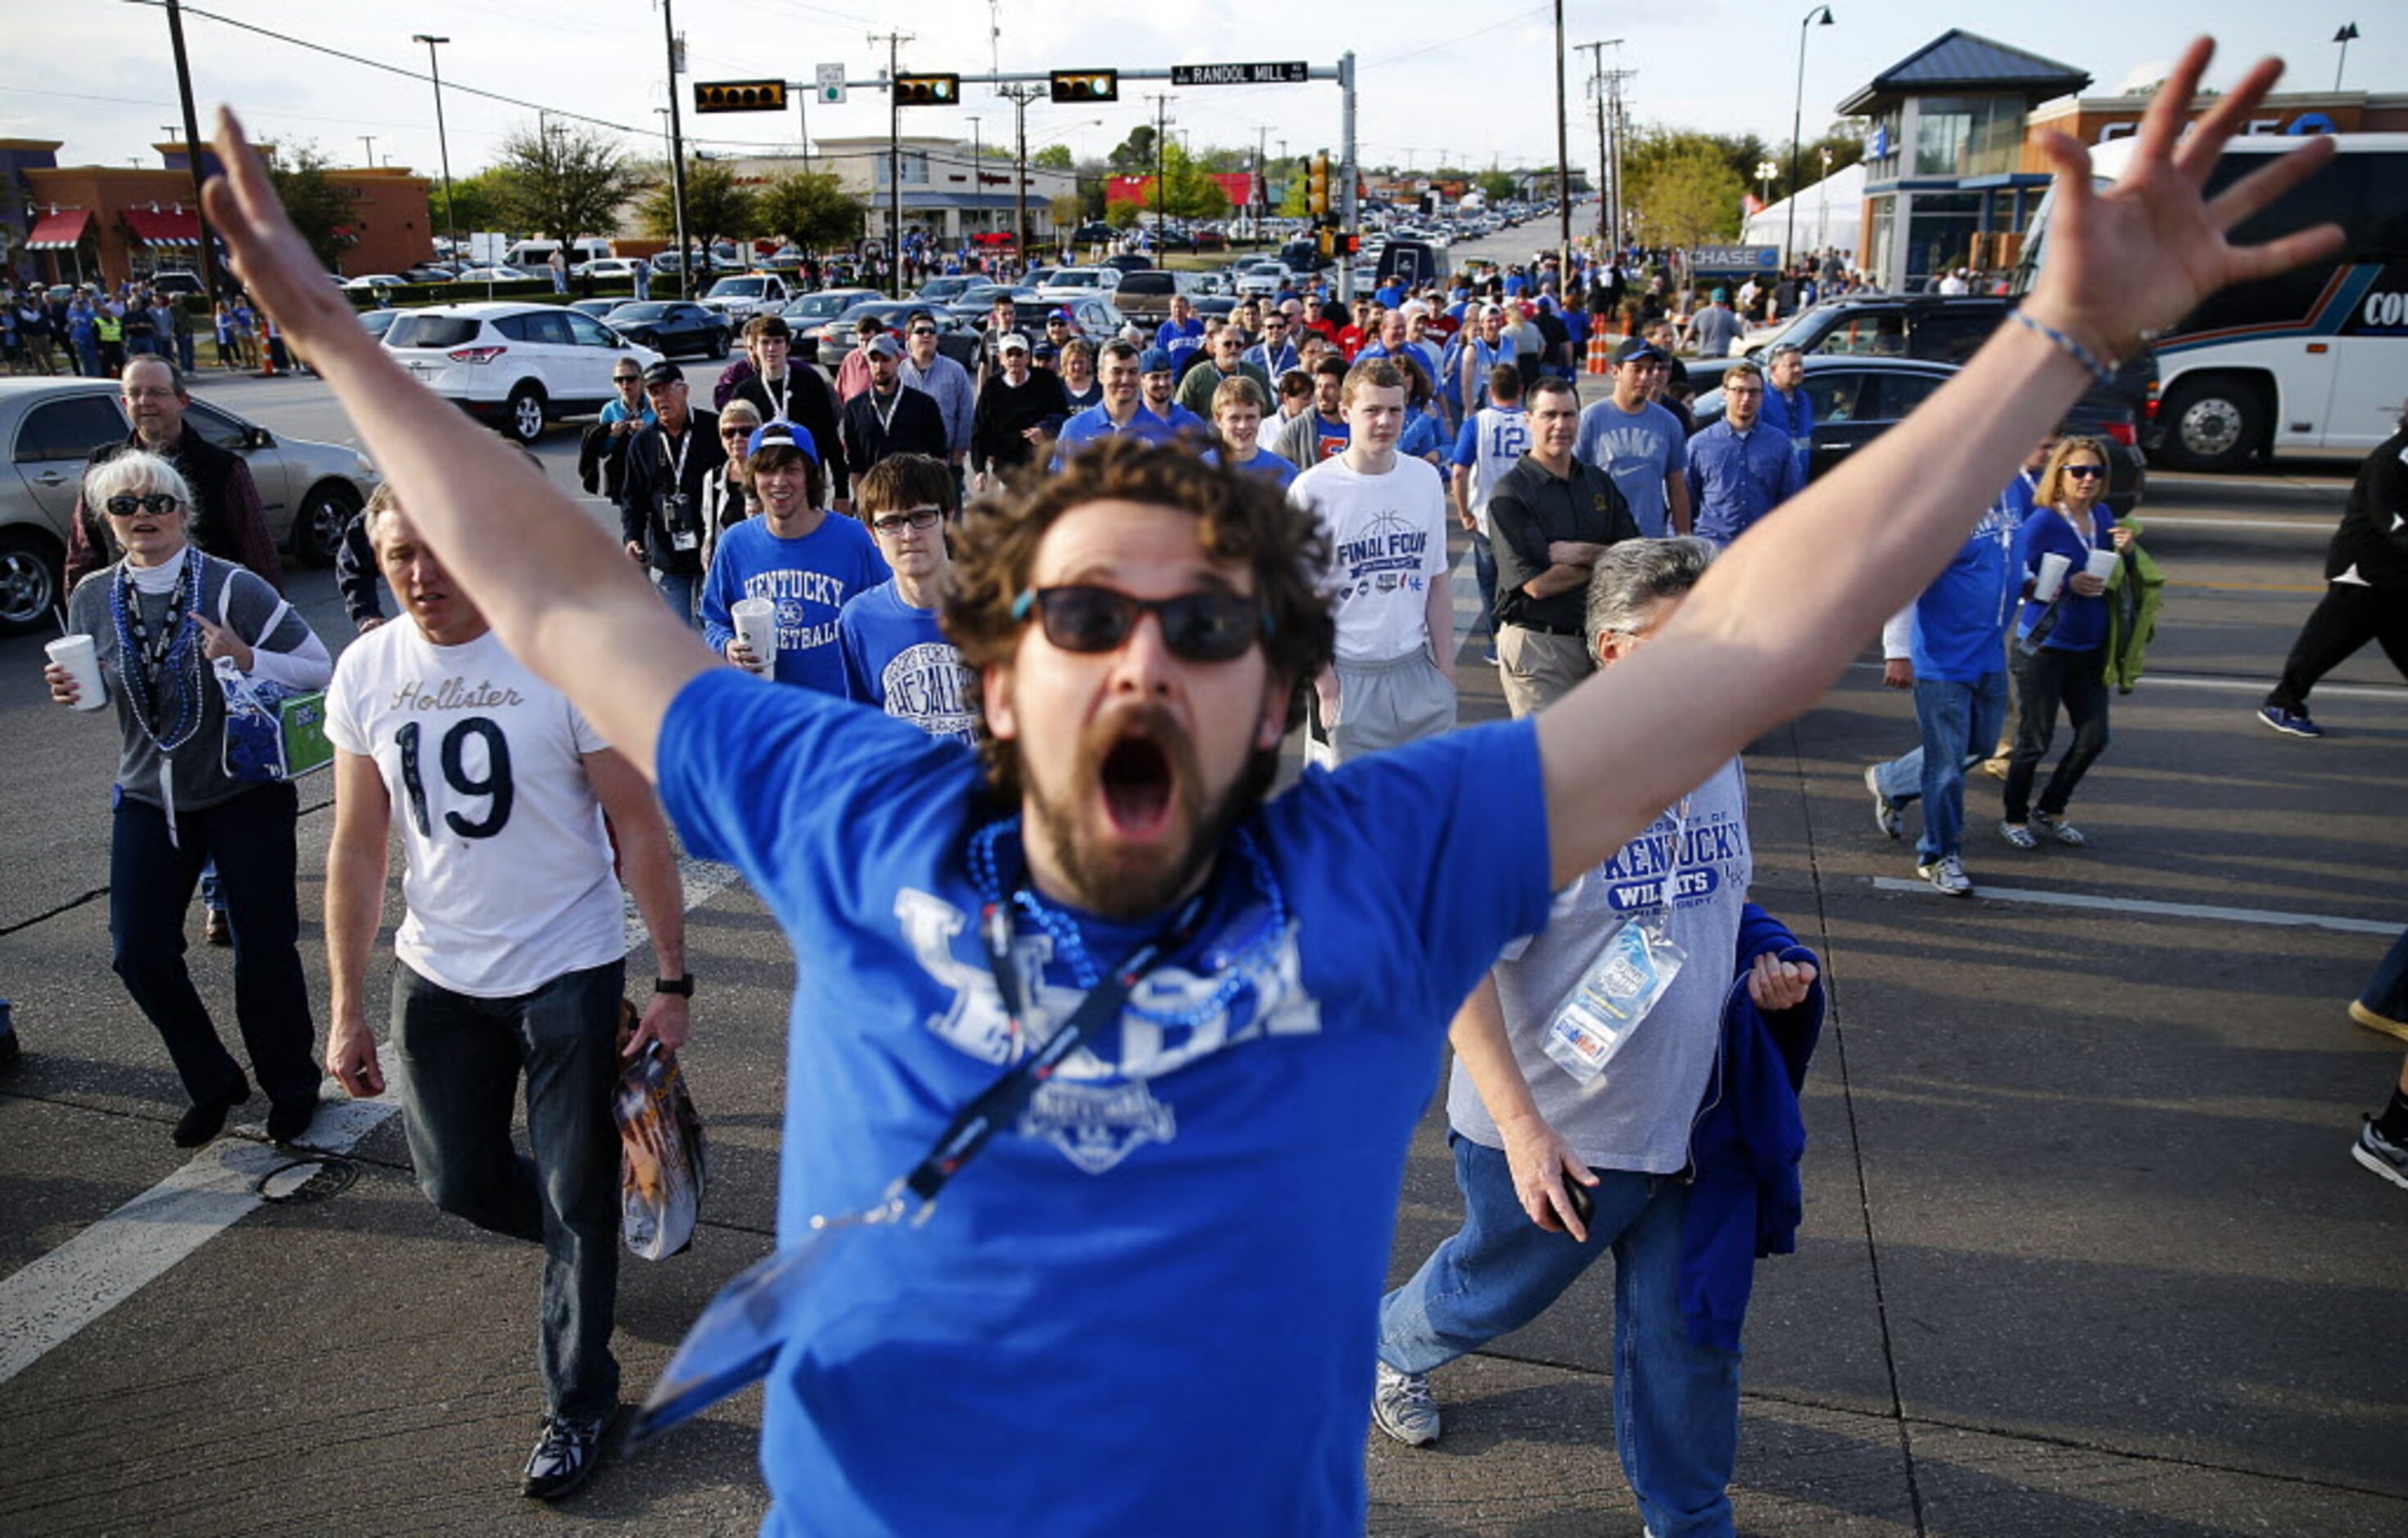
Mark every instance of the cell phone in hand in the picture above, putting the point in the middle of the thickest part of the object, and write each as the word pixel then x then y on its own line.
pixel 1583 1206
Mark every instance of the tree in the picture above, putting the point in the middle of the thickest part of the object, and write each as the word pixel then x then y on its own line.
pixel 1296 197
pixel 811 209
pixel 564 181
pixel 479 199
pixel 317 207
pixel 1188 189
pixel 717 207
pixel 1498 187
pixel 1134 153
pixel 1069 210
pixel 1688 196
pixel 1054 157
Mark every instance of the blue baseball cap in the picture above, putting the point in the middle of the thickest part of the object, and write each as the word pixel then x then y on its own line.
pixel 1154 361
pixel 782 435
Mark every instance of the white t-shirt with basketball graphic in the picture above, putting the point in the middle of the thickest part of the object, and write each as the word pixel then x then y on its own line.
pixel 509 879
pixel 1387 538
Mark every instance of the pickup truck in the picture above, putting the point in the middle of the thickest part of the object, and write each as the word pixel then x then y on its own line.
pixel 740 298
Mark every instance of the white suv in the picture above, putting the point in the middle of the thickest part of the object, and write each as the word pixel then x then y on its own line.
pixel 513 365
pixel 1079 284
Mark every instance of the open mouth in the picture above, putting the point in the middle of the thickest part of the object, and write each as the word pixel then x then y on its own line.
pixel 1137 777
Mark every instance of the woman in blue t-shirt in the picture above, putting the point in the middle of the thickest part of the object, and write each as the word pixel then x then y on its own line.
pixel 2060 645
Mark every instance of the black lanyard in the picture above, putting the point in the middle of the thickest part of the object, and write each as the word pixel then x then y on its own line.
pixel 1000 1103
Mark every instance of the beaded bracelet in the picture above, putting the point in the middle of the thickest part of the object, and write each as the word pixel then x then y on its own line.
pixel 2102 372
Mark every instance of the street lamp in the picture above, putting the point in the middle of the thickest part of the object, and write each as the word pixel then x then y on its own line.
pixel 2347 35
pixel 1765 172
pixel 443 142
pixel 1797 123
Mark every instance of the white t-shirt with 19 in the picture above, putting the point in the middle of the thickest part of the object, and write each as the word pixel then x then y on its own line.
pixel 507 880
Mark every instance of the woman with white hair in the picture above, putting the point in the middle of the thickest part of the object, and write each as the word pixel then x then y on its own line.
pixel 162 619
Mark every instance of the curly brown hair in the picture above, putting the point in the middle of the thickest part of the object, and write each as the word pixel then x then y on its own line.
pixel 1239 518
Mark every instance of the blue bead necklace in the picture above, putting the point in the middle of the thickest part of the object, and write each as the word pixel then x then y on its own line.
pixel 1236 967
pixel 171 664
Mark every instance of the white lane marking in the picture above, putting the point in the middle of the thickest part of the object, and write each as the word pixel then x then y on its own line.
pixel 2319 524
pixel 49 1299
pixel 2144 907
pixel 2251 685
pixel 45 1302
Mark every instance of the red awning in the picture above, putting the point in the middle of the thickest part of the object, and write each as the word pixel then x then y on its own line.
pixel 164 227
pixel 60 230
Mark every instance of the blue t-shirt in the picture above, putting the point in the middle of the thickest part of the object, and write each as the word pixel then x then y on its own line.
pixel 1180 339
pixel 1179 419
pixel 896 659
pixel 1186 1219
pixel 1960 621
pixel 1639 450
pixel 1422 436
pixel 1096 422
pixel 1271 466
pixel 810 579
pixel 2080 623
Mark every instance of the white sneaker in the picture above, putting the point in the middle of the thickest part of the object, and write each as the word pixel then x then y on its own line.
pixel 1886 813
pixel 1948 876
pixel 1403 1407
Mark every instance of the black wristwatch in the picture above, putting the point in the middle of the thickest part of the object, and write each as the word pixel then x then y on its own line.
pixel 681 986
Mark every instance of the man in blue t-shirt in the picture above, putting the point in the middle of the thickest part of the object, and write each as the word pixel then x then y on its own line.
pixel 796 556
pixel 1118 414
pixel 1157 380
pixel 1639 442
pixel 895 656
pixel 1181 335
pixel 1168 1237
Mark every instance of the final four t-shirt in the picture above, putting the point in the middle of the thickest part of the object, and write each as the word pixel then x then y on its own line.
pixel 1387 539
pixel 1149 1307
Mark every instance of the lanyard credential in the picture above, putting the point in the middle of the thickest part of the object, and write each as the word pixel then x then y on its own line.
pixel 739 1335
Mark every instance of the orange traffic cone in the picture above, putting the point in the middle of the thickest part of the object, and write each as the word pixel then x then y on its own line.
pixel 1601 350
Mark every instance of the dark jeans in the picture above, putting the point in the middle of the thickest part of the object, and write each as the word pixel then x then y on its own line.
pixel 2387 992
pixel 2078 681
pixel 460 1063
pixel 1483 566
pixel 2347 618
pixel 252 838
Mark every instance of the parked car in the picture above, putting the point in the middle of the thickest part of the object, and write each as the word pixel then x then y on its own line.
pixel 493 274
pixel 1127 261
pixel 514 366
pixel 375 280
pixel 431 272
pixel 606 269
pixel 755 294
pixel 176 282
pixel 671 327
pixel 599 309
pixel 1095 233
pixel 809 311
pixel 379 322
pixel 1146 296
pixel 826 341
pixel 1856 399
pixel 308 491
pixel 1079 282
pixel 945 290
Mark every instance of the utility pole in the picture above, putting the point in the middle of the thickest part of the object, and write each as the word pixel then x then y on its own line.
pixel 1020 96
pixel 1161 100
pixel 369 141
pixel 193 144
pixel 1563 160
pixel 1614 92
pixel 893 41
pixel 677 156
pixel 1597 89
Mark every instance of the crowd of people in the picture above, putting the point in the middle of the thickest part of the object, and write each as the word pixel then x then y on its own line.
pixel 978 677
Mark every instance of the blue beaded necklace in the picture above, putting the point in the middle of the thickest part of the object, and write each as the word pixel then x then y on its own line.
pixel 1236 967
pixel 170 664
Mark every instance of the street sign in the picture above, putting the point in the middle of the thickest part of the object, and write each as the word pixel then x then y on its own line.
pixel 1295 73
pixel 830 79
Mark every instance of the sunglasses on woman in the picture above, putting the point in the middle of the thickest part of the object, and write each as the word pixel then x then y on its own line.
pixel 158 504
pixel 2086 472
pixel 1199 627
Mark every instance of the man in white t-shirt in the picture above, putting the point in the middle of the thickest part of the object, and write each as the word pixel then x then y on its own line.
pixel 1391 680
pixel 513 951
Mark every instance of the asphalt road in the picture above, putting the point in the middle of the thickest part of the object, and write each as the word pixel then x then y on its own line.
pixel 2084 1251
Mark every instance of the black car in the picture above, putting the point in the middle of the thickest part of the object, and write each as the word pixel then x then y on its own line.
pixel 828 341
pixel 1856 399
pixel 671 327
pixel 1129 261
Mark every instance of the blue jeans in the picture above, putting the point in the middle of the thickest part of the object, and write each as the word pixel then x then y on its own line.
pixel 1483 566
pixel 1958 721
pixel 2387 992
pixel 682 592
pixel 460 1060
pixel 1675 1403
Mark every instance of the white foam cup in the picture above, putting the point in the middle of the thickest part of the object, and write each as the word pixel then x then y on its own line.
pixel 2052 576
pixel 80 657
pixel 756 626
pixel 2101 563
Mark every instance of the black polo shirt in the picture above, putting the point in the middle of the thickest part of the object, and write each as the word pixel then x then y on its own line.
pixel 1530 509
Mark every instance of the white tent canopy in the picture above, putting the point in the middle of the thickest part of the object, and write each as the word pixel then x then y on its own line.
pixel 1829 213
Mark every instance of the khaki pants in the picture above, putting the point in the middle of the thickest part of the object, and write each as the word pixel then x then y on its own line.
pixel 1382 705
pixel 1538 668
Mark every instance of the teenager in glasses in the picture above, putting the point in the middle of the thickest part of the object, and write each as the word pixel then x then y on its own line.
pixel 1172 1258
pixel 896 659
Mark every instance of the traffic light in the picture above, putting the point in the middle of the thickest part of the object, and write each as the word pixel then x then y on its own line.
pixel 927 90
pixel 1077 86
pixel 740 97
pixel 1317 186
pixel 1325 240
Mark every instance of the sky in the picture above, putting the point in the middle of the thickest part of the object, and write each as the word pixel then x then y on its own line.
pixel 1428 86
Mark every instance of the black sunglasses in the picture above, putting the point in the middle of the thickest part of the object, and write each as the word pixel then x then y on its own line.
pixel 1199 627
pixel 2086 472
pixel 158 504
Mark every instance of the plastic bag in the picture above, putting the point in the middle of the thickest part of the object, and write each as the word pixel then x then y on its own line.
pixel 663 1164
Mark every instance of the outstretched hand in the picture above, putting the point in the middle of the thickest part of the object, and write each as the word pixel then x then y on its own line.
pixel 267 253
pixel 2137 258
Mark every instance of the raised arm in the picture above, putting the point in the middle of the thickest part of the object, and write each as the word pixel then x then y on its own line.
pixel 558 590
pixel 1779 615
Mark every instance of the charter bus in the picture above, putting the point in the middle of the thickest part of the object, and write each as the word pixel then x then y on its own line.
pixel 2313 361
